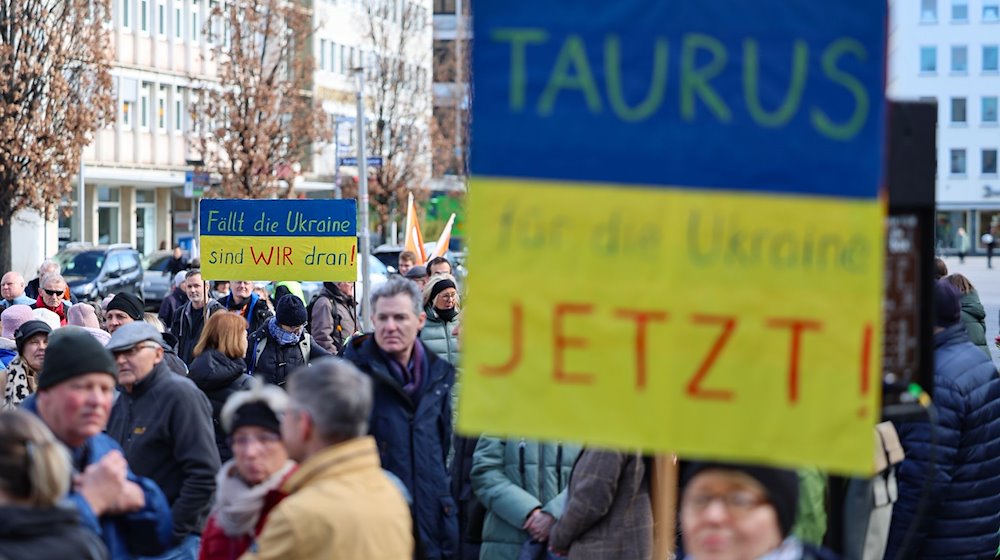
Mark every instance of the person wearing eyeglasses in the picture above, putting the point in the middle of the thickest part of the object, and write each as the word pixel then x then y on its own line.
pixel 731 512
pixel 21 378
pixel 441 306
pixel 164 424
pixel 250 484
pixel 282 344
pixel 51 296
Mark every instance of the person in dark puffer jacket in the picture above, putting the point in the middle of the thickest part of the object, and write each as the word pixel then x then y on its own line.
pixel 962 514
pixel 218 368
pixel 282 345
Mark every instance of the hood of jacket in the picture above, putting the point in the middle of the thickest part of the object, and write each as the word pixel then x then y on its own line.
pixel 973 306
pixel 7 344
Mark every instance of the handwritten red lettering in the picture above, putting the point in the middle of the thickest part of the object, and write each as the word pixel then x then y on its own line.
pixel 517 345
pixel 797 326
pixel 642 319
pixel 694 388
pixel 563 342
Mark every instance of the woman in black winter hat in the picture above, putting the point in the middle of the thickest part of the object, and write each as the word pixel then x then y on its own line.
pixel 741 512
pixel 282 343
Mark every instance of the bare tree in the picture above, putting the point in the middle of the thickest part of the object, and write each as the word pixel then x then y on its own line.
pixel 55 92
pixel 398 95
pixel 260 119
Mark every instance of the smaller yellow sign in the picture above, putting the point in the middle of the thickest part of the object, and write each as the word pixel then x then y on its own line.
pixel 323 259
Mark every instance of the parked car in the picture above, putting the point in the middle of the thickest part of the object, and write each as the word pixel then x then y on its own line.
pixel 156 284
pixel 92 272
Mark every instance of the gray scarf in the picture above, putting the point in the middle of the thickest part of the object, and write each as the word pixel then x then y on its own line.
pixel 237 505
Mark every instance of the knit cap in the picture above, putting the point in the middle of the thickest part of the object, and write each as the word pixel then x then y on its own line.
pixel 290 311
pixel 782 487
pixel 13 317
pixel 73 352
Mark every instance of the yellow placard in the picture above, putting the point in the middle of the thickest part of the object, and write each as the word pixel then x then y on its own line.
pixel 730 325
pixel 325 259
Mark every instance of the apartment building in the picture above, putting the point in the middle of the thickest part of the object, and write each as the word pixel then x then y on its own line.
pixel 948 51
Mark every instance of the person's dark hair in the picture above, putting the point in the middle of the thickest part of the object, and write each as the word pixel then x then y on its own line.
pixel 439 260
pixel 34 467
pixel 192 272
pixel 336 395
pixel 940 269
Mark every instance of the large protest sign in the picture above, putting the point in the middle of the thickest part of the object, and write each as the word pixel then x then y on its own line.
pixel 279 239
pixel 675 227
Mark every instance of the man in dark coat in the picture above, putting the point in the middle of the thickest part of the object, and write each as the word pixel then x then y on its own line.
pixel 962 512
pixel 242 300
pixel 282 345
pixel 189 320
pixel 174 300
pixel 411 419
pixel 177 263
pixel 164 424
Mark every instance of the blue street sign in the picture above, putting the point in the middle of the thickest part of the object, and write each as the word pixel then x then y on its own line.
pixel 373 161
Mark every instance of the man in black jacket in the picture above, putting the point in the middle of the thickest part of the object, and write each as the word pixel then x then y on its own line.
pixel 164 424
pixel 242 300
pixel 189 320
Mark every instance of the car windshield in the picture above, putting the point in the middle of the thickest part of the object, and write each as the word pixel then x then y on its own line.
pixel 159 263
pixel 86 264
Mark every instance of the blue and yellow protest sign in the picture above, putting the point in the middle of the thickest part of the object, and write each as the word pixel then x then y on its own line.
pixel 675 227
pixel 279 239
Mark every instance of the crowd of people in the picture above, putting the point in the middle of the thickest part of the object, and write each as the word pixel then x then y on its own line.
pixel 237 423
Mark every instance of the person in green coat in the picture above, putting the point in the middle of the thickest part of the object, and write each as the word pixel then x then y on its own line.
pixel 973 313
pixel 440 332
pixel 522 484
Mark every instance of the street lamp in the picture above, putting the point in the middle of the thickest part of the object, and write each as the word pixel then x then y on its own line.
pixel 359 73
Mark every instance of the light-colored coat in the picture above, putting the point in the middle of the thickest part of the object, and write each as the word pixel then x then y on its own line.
pixel 513 477
pixel 340 505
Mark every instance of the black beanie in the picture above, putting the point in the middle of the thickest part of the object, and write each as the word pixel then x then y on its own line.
pixel 258 414
pixel 947 304
pixel 782 487
pixel 440 286
pixel 73 352
pixel 127 303
pixel 290 311
pixel 29 329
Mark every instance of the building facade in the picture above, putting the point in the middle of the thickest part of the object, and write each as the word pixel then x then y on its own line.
pixel 452 36
pixel 946 51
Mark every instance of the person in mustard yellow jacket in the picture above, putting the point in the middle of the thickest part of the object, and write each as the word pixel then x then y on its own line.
pixel 341 503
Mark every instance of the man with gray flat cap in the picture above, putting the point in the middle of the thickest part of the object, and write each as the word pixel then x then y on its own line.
pixel 164 424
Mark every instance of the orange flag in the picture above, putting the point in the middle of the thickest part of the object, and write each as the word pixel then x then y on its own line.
pixel 442 244
pixel 414 241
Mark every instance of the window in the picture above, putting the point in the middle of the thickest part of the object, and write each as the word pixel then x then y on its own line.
pixel 990 161
pixel 990 109
pixel 958 110
pixel 928 58
pixel 127 114
pixel 959 59
pixel 448 6
pixel 991 62
pixel 161 19
pixel 991 10
pixel 144 15
pixel 126 20
pixel 161 110
pixel 178 24
pixel 178 111
pixel 195 30
pixel 928 10
pixel 958 161
pixel 333 56
pixel 144 108
pixel 322 54
pixel 959 10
